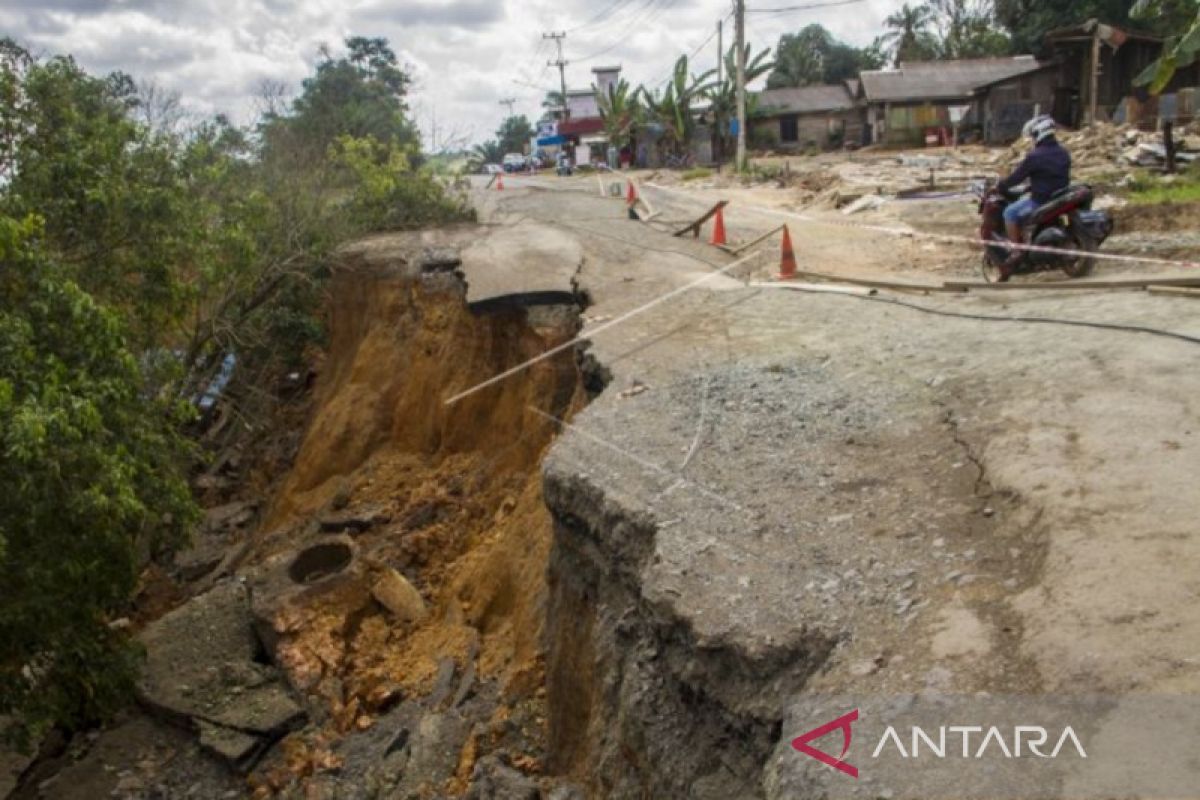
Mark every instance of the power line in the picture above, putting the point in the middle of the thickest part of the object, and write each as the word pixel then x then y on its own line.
pixel 604 16
pixel 670 71
pixel 807 7
pixel 640 18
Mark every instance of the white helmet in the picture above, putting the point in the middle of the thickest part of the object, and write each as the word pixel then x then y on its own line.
pixel 1039 127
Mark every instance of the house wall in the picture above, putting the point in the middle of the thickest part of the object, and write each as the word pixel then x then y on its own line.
pixel 904 123
pixel 1115 83
pixel 824 129
pixel 582 106
pixel 1007 106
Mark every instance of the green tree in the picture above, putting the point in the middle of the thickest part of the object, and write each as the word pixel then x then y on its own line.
pixel 358 95
pixel 800 58
pixel 91 479
pixel 554 103
pixel 814 56
pixel 489 152
pixel 1027 21
pixel 514 134
pixel 908 37
pixel 133 261
pixel 967 29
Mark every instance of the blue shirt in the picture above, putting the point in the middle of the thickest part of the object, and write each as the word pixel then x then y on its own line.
pixel 1048 168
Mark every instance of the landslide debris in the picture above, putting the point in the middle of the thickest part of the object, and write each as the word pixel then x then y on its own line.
pixel 399 581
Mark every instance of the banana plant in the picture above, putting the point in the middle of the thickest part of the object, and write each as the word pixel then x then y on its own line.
pixel 619 110
pixel 723 95
pixel 674 107
pixel 1177 52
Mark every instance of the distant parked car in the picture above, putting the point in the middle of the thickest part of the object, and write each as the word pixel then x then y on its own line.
pixel 514 162
pixel 492 169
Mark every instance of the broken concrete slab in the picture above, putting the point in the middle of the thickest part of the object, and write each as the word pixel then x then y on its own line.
pixel 237 748
pixel 288 581
pixel 229 515
pixel 492 779
pixel 201 668
pixel 358 521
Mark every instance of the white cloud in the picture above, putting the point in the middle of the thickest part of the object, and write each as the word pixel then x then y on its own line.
pixel 466 55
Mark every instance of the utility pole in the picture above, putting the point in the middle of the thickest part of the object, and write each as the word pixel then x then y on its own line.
pixel 509 101
pixel 561 63
pixel 739 21
pixel 720 51
pixel 721 123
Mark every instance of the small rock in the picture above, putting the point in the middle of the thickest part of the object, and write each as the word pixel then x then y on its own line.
pixel 567 792
pixel 989 511
pixel 861 669
pixel 939 542
pixel 398 596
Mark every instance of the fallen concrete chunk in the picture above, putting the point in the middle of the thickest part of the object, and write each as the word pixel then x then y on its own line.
pixel 236 748
pixel 865 203
pixel 201 668
pixel 398 596
pixel 230 515
pixel 492 779
pixel 439 259
pixel 354 521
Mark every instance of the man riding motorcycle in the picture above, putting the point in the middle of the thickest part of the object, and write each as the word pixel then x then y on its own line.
pixel 1047 167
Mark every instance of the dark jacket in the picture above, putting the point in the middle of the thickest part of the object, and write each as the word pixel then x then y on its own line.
pixel 1048 168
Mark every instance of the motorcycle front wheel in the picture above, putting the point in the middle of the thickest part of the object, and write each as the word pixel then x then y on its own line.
pixel 993 257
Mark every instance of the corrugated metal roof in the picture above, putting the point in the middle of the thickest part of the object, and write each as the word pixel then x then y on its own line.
pixel 805 99
pixel 941 80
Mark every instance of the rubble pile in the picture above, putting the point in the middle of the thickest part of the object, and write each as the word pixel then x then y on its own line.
pixel 1104 146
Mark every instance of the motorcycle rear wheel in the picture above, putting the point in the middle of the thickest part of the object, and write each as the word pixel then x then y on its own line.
pixel 1082 264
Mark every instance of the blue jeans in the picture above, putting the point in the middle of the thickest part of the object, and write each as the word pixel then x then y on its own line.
pixel 1020 211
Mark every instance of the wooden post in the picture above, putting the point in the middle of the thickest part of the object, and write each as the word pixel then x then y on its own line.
pixel 1169 144
pixel 1095 78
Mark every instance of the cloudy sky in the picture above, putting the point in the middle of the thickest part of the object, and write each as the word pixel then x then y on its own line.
pixel 465 55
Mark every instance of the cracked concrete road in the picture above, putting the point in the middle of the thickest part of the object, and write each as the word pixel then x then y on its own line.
pixel 943 502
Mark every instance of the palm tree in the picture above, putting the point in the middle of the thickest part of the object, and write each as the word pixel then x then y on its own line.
pixel 908 36
pixel 490 152
pixel 800 58
pixel 620 111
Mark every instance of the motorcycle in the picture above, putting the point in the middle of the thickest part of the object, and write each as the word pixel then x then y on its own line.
pixel 1066 223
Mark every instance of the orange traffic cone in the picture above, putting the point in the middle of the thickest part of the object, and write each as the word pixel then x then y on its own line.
pixel 631 195
pixel 718 234
pixel 499 181
pixel 787 260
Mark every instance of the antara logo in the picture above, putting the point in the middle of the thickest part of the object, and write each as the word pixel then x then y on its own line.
pixel 801 743
pixel 1025 740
